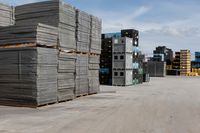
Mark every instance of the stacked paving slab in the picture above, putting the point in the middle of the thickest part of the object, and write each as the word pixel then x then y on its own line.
pixel 28 76
pixel 82 81
pixel 122 62
pixel 39 34
pixel 54 13
pixel 94 83
pixel 83 30
pixel 61 38
pixel 96 29
pixel 6 15
pixel 66 76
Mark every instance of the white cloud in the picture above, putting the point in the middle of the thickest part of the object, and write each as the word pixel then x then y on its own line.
pixel 179 33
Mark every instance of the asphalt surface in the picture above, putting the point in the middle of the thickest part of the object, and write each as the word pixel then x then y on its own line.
pixel 165 105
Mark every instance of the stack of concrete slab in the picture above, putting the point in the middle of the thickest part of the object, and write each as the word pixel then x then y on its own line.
pixel 94 85
pixel 96 28
pixel 66 76
pixel 81 75
pixel 28 76
pixel 83 31
pixel 55 13
pixel 53 54
pixel 6 15
pixel 39 34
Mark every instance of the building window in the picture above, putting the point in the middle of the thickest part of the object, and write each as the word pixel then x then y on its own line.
pixel 121 57
pixel 116 57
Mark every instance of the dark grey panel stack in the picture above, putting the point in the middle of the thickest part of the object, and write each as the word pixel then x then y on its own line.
pixel 66 76
pixel 55 13
pixel 39 34
pixel 94 85
pixel 122 63
pixel 6 15
pixel 28 76
pixel 83 31
pixel 81 75
pixel 157 68
pixel 96 28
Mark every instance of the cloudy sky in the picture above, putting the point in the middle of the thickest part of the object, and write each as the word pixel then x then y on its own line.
pixel 174 23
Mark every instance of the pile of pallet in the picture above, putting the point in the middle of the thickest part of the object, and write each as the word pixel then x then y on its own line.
pixel 6 15
pixel 58 38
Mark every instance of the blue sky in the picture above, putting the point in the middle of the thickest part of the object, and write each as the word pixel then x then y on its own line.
pixel 174 23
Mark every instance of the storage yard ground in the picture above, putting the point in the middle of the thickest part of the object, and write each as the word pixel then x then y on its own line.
pixel 165 105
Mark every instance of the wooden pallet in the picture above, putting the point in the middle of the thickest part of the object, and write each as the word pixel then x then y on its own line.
pixel 81 95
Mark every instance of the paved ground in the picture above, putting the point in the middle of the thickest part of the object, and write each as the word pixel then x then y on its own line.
pixel 165 105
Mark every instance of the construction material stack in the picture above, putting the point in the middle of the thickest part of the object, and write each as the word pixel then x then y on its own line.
pixel 63 16
pixel 54 13
pixel 94 83
pixel 196 62
pixel 46 56
pixel 6 15
pixel 28 65
pixel 94 56
pixel 83 24
pixel 66 76
pixel 146 77
pixel 82 81
pixel 175 65
pixel 38 34
pixel 157 68
pixel 162 57
pixel 185 62
pixel 83 29
pixel 138 58
pixel 95 44
pixel 122 62
pixel 106 61
pixel 120 55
